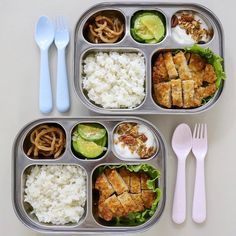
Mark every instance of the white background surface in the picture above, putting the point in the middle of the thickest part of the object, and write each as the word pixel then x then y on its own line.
pixel 19 72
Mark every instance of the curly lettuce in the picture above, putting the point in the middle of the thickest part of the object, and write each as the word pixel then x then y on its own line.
pixel 212 58
pixel 136 218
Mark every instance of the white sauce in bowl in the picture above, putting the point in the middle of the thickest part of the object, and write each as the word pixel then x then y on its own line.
pixel 123 150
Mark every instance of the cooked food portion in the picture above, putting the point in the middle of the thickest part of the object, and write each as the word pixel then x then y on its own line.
pixel 170 66
pixel 116 181
pixel 105 28
pixel 123 191
pixel 114 80
pixel 89 140
pixel 104 186
pixel 148 26
pixel 135 184
pixel 189 27
pixel 186 79
pixel 45 141
pixel 148 196
pixel 56 193
pixel 132 140
pixel 176 95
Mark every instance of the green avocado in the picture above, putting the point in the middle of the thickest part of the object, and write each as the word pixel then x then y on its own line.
pixel 86 148
pixel 102 142
pixel 148 27
pixel 91 132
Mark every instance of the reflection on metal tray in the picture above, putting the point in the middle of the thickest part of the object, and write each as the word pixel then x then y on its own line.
pixel 127 43
pixel 88 223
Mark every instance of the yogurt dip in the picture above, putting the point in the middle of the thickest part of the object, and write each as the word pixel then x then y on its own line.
pixel 136 141
pixel 189 27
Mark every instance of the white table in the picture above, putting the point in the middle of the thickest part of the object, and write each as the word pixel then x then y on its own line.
pixel 19 70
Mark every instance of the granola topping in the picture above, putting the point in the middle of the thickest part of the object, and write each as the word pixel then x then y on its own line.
pixel 134 140
pixel 192 25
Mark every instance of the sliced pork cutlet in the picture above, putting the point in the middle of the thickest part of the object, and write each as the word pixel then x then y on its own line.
pixel 170 66
pixel 148 197
pixel 144 179
pixel 162 94
pixel 125 174
pixel 188 93
pixel 197 77
pixel 159 73
pixel 102 184
pixel 176 92
pixel 182 66
pixel 209 74
pixel 196 63
pixel 115 206
pixel 204 92
pixel 135 183
pixel 127 202
pixel 104 212
pixel 116 181
pixel 137 197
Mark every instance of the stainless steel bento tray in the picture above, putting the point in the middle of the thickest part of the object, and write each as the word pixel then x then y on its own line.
pixel 88 223
pixel 128 44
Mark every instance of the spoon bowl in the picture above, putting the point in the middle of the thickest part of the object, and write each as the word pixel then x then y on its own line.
pixel 44 32
pixel 182 140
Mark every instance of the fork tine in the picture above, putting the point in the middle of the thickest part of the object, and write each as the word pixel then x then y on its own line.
pixel 198 130
pixel 205 131
pixel 202 131
pixel 195 131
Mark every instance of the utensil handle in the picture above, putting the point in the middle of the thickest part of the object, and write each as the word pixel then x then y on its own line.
pixel 199 197
pixel 63 100
pixel 45 90
pixel 179 202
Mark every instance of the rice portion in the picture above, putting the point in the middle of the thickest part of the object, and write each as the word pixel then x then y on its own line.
pixel 57 194
pixel 114 80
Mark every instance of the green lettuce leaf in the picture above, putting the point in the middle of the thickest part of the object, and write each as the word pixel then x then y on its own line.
pixel 136 218
pixel 212 58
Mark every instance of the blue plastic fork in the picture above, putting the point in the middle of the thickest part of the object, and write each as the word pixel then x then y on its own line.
pixel 61 41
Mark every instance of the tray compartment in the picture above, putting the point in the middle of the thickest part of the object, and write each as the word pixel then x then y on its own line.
pixel 111 13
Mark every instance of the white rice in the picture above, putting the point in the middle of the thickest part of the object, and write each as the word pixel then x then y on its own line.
pixel 114 80
pixel 57 194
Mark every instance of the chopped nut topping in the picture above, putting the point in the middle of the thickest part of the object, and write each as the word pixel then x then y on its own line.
pixel 130 136
pixel 192 27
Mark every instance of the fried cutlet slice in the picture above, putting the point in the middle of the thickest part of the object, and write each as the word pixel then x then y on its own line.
pixel 176 92
pixel 115 206
pixel 102 184
pixel 204 92
pixel 104 212
pixel 188 93
pixel 125 174
pixel 127 202
pixel 162 93
pixel 135 183
pixel 209 74
pixel 144 179
pixel 116 181
pixel 159 70
pixel 148 197
pixel 196 62
pixel 137 197
pixel 182 66
pixel 170 66
pixel 197 77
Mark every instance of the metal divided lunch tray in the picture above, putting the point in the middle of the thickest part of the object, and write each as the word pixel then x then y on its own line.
pixel 88 223
pixel 128 44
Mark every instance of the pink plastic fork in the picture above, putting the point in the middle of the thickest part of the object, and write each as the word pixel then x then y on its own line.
pixel 199 150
